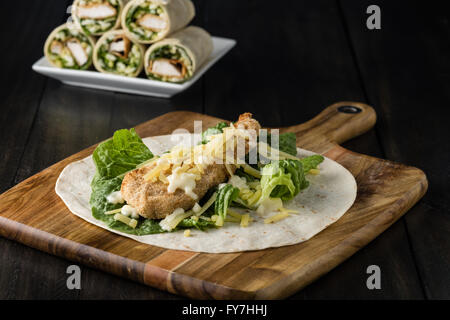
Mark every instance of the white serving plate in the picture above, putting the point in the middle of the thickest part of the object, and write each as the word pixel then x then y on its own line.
pixel 141 86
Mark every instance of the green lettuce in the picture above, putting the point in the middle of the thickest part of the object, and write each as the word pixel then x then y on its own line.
pixel 284 179
pixel 113 158
pixel 311 162
pixel 218 128
pixel 287 142
pixel 225 196
pixel 120 154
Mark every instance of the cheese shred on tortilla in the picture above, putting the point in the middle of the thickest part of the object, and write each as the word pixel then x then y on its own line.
pixel 277 217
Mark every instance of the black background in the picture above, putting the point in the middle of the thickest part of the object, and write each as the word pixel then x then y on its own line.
pixel 292 59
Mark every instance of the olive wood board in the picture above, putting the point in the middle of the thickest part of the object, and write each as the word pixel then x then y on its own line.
pixel 32 213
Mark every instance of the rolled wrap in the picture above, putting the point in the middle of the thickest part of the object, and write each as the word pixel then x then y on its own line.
pixel 95 17
pixel 177 58
pixel 68 47
pixel 148 21
pixel 110 58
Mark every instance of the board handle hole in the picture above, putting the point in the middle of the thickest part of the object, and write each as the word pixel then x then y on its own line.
pixel 349 109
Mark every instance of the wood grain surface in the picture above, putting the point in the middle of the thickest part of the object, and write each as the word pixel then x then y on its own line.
pixel 31 213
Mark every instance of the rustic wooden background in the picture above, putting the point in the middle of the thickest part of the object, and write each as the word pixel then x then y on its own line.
pixel 291 61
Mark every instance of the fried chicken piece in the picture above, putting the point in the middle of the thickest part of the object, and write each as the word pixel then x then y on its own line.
pixel 246 122
pixel 151 198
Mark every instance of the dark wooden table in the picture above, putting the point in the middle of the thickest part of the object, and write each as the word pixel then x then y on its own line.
pixel 292 60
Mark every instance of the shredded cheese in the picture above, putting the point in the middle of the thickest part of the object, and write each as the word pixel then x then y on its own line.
pixel 232 219
pixel 207 205
pixel 289 210
pixel 147 163
pixel 133 223
pixel 219 221
pixel 254 198
pixel 124 219
pixel 277 217
pixel 234 214
pixel 172 220
pixel 251 171
pixel 244 220
pixel 113 211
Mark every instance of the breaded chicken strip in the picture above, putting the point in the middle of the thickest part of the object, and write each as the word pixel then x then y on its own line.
pixel 151 198
pixel 246 122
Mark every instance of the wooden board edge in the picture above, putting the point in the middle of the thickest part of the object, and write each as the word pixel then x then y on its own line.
pixel 71 250
pixel 345 249
pixel 145 273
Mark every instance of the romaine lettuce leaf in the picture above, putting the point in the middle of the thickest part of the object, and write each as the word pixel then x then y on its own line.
pixel 225 196
pixel 282 179
pixel 120 154
pixel 218 128
pixel 287 142
pixel 311 162
pixel 113 158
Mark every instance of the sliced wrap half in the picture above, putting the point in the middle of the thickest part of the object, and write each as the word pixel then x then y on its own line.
pixel 68 47
pixel 116 53
pixel 95 17
pixel 148 21
pixel 176 59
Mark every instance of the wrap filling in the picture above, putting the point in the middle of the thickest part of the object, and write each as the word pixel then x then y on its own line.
pixel 169 63
pixel 97 16
pixel 119 55
pixel 70 49
pixel 146 20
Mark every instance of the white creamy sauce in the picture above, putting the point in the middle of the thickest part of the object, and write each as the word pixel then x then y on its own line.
pixel 238 182
pixel 115 197
pixel 129 211
pixel 184 181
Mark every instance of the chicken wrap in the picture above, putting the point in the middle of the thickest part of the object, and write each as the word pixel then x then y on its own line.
pixel 68 47
pixel 164 191
pixel 118 54
pixel 176 59
pixel 148 21
pixel 95 17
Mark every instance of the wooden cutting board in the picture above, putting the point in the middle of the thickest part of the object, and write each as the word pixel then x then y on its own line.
pixel 33 214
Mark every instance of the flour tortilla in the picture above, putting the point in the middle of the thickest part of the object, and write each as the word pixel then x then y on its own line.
pixel 329 196
pixel 194 40
pixel 179 14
